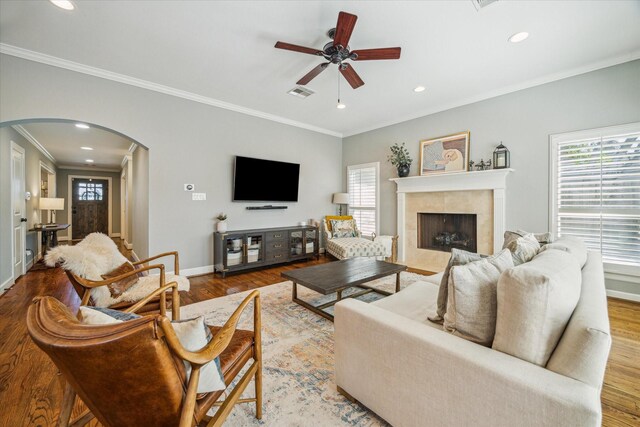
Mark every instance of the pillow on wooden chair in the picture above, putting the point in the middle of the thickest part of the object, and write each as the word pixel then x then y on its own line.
pixel 193 334
pixel 121 286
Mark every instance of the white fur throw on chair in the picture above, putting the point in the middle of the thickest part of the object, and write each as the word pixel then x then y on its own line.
pixel 96 255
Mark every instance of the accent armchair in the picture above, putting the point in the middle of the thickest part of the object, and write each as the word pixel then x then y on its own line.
pixel 132 373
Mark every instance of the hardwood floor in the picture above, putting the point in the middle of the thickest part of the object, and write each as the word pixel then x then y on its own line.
pixel 30 392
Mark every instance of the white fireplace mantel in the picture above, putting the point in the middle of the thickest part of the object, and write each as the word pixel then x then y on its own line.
pixel 495 179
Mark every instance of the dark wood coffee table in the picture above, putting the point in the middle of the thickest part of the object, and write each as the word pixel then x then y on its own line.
pixel 338 276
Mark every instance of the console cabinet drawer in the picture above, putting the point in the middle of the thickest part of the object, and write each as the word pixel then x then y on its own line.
pixel 277 256
pixel 274 236
pixel 276 246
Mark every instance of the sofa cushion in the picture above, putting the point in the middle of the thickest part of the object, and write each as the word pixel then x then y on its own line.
pixel 471 306
pixel 413 302
pixel 573 245
pixel 458 257
pixel 523 248
pixel 535 302
pixel 584 347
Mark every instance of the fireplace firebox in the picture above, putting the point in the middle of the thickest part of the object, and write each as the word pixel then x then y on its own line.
pixel 443 231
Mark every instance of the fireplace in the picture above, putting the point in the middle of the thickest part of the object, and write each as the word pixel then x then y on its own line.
pixel 443 231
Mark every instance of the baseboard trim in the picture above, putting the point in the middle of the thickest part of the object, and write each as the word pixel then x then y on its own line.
pixel 196 271
pixel 29 265
pixel 63 239
pixel 127 245
pixel 114 235
pixel 6 284
pixel 623 295
pixel 134 255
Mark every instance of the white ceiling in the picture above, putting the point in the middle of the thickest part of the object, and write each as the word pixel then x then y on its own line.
pixel 224 50
pixel 63 142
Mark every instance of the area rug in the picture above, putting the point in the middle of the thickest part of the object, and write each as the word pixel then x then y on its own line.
pixel 298 360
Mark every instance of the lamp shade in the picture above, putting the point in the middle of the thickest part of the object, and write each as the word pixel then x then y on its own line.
pixel 340 198
pixel 52 203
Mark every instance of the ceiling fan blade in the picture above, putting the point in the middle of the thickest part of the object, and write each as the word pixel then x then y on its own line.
pixel 296 48
pixel 382 53
pixel 344 28
pixel 312 74
pixel 351 76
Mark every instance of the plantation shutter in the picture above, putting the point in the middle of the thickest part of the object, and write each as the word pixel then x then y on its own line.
pixel 598 193
pixel 362 186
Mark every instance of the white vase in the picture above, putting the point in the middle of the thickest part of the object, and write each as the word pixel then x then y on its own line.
pixel 221 226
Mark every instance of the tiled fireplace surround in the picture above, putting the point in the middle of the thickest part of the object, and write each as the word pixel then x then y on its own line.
pixel 481 193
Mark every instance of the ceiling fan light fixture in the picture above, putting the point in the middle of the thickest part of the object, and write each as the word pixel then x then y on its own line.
pixel 63 4
pixel 419 89
pixel 519 37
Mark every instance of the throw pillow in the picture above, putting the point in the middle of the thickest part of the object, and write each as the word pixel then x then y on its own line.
pixel 121 286
pixel 535 302
pixel 471 307
pixel 572 245
pixel 458 257
pixel 194 335
pixel 103 316
pixel 343 228
pixel 542 238
pixel 523 248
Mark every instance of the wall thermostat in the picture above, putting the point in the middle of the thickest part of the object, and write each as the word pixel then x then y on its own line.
pixel 189 187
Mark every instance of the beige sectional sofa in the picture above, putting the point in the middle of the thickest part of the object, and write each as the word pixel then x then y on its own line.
pixel 410 372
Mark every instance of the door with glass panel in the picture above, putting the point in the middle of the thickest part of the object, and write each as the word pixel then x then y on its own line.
pixel 89 207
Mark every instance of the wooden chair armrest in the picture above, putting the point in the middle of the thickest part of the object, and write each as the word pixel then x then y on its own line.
pixel 96 283
pixel 220 341
pixel 176 260
pixel 175 300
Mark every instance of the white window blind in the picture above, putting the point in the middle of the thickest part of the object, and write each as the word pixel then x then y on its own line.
pixel 362 186
pixel 597 191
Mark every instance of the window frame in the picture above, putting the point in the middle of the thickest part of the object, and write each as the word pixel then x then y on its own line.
pixel 615 270
pixel 376 166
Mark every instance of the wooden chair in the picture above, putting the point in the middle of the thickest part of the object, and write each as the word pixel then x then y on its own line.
pixel 156 304
pixel 132 373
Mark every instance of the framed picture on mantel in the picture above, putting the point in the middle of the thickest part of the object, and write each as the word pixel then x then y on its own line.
pixel 445 154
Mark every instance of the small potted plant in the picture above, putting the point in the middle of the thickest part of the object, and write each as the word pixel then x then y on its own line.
pixel 400 158
pixel 221 226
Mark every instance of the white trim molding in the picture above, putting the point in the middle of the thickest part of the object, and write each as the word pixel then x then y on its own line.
pixel 623 295
pixel 70 201
pixel 88 168
pixel 6 285
pixel 42 58
pixel 495 179
pixel 22 131
pixel 196 271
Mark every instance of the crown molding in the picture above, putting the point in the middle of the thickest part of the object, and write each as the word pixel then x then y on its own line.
pixel 22 131
pixel 88 168
pixel 42 58
pixel 610 62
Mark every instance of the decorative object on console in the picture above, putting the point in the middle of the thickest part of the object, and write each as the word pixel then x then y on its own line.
pixel 445 154
pixel 501 157
pixel 340 199
pixel 52 204
pixel 482 166
pixel 221 226
pixel 401 159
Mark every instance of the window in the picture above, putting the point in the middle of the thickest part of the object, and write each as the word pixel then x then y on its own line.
pixel 596 192
pixel 90 191
pixel 362 186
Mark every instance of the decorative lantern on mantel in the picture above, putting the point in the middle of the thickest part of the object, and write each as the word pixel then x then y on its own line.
pixel 501 157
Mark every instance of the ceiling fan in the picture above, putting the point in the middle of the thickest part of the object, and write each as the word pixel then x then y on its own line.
pixel 338 51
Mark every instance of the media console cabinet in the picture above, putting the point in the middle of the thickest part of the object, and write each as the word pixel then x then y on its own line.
pixel 244 249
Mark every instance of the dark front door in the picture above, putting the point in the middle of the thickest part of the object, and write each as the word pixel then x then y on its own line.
pixel 89 207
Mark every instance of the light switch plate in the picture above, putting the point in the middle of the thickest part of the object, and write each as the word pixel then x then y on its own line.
pixel 199 196
pixel 189 187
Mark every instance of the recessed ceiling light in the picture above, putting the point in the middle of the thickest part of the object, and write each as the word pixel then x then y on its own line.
pixel 82 126
pixel 86 148
pixel 419 89
pixel 63 4
pixel 341 106
pixel 518 37
pixel 89 161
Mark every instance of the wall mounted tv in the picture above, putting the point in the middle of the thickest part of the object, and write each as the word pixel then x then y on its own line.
pixel 258 180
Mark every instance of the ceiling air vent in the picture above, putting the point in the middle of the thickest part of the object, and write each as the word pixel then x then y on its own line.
pixel 300 92
pixel 479 4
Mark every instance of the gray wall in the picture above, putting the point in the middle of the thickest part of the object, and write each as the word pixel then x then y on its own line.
pixel 188 143
pixel 32 184
pixel 523 120
pixel 62 184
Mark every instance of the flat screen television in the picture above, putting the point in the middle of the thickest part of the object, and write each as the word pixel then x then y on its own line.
pixel 259 180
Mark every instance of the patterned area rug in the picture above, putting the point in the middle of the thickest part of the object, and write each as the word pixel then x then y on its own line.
pixel 298 376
